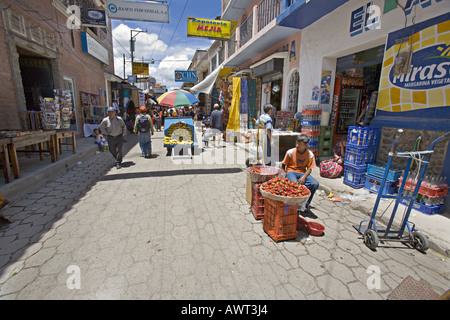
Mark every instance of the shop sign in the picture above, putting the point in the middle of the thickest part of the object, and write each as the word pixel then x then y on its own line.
pixel 138 11
pixel 430 68
pixel 93 48
pixel 185 76
pixel 365 18
pixel 206 28
pixel 410 4
pixel 352 82
pixel 140 69
pixel 427 83
pixel 95 18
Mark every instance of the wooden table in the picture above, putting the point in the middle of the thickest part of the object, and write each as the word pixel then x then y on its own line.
pixel 5 159
pixel 30 139
pixel 59 136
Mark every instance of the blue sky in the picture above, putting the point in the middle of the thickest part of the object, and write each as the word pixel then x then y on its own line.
pixel 166 43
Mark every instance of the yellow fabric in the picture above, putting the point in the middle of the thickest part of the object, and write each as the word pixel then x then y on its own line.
pixel 234 122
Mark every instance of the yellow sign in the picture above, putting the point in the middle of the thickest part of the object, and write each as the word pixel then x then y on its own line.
pixel 427 83
pixel 140 69
pixel 207 28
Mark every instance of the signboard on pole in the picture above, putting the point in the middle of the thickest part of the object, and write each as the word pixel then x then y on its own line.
pixel 140 68
pixel 207 28
pixel 138 11
pixel 185 76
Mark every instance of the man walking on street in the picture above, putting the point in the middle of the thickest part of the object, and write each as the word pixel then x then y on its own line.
pixel 217 124
pixel 143 127
pixel 114 127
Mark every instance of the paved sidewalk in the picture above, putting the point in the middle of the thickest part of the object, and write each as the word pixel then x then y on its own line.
pixel 162 230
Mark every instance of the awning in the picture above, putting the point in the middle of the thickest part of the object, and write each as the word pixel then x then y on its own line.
pixel 207 84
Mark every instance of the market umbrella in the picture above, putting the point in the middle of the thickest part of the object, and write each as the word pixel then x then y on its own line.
pixel 179 98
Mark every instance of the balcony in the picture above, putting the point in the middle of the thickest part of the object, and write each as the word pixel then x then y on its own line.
pixel 234 9
pixel 258 32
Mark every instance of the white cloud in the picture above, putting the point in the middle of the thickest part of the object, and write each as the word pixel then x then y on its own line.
pixel 150 47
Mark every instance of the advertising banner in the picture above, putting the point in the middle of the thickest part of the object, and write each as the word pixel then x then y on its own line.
pixel 138 11
pixel 140 69
pixel 207 28
pixel 425 49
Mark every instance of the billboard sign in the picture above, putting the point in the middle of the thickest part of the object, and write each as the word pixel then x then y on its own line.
pixel 207 28
pixel 138 11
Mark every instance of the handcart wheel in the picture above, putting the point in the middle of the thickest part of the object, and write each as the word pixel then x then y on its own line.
pixel 371 239
pixel 420 242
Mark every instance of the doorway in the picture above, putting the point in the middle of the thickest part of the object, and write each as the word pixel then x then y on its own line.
pixel 37 78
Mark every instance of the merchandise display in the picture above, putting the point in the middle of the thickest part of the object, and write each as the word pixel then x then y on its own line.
pixel 93 111
pixel 57 111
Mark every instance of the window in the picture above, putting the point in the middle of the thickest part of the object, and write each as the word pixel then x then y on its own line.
pixel 293 91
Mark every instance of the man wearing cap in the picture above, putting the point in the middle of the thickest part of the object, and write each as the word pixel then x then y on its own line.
pixel 144 128
pixel 114 127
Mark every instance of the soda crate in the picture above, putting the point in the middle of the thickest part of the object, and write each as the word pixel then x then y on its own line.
pixel 327 132
pixel 326 141
pixel 358 156
pixel 310 122
pixel 426 191
pixel 280 220
pixel 373 184
pixel 363 136
pixel 257 202
pixel 355 176
pixel 377 170
pixel 425 209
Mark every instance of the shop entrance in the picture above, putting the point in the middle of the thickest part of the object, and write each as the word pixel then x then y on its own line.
pixel 275 97
pixel 357 80
pixel 37 78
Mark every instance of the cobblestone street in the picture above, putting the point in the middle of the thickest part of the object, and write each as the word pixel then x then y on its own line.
pixel 160 230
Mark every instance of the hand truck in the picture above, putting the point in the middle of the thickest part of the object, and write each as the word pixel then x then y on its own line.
pixel 372 234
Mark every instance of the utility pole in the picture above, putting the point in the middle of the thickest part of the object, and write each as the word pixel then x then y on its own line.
pixel 124 75
pixel 133 44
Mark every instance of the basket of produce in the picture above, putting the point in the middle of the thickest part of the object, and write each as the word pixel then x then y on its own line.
pixel 286 191
pixel 261 174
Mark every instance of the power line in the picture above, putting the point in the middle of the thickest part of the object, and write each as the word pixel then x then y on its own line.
pixel 175 31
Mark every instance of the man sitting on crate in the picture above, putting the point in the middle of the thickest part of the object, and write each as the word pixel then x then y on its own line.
pixel 298 165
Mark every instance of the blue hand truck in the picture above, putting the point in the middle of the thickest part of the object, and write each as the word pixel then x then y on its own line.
pixel 373 234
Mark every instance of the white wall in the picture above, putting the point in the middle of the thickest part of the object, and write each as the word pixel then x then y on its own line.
pixel 329 38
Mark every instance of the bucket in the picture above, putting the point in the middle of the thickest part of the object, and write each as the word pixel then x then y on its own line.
pixel 325 118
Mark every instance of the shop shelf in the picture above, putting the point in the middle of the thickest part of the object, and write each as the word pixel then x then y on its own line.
pixel 280 220
pixel 377 170
pixel 354 176
pixel 425 209
pixel 373 184
pixel 257 202
pixel 356 155
pixel 363 136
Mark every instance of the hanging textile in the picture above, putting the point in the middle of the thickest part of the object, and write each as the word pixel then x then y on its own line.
pixel 234 122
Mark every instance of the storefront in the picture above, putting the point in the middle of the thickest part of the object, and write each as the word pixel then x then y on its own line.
pixel 365 48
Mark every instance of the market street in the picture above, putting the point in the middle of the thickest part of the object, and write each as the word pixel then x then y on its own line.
pixel 160 230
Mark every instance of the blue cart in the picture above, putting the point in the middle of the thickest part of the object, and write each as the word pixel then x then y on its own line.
pixel 174 149
pixel 373 234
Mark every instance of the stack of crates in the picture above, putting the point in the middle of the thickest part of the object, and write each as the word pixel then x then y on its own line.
pixel 257 201
pixel 362 145
pixel 280 220
pixel 374 177
pixel 326 141
pixel 311 115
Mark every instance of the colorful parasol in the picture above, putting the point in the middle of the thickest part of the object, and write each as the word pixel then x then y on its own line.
pixel 179 98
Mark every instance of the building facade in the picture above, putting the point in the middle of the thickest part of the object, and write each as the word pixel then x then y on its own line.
pixel 43 47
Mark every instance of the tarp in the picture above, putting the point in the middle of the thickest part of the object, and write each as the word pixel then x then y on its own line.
pixel 234 122
pixel 207 84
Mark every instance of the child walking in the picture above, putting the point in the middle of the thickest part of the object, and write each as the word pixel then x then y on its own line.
pixel 206 134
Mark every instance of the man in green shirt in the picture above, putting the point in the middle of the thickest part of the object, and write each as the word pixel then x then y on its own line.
pixel 143 127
